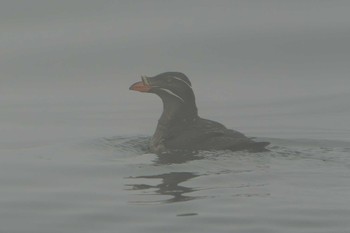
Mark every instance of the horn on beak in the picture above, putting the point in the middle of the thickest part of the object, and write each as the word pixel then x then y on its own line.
pixel 145 80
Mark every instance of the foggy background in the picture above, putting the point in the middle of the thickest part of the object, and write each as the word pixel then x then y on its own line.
pixel 267 68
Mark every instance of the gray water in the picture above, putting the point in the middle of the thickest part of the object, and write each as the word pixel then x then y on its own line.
pixel 73 137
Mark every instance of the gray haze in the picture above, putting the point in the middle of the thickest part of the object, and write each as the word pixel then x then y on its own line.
pixel 72 135
pixel 265 67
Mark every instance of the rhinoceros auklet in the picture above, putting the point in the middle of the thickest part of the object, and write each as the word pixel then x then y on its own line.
pixel 180 127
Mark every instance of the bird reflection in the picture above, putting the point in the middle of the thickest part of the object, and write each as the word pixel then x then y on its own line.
pixel 177 157
pixel 169 186
pixel 170 182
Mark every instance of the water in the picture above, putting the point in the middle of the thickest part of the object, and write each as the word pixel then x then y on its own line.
pixel 73 137
pixel 93 183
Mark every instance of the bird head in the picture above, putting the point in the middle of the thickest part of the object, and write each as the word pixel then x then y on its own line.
pixel 172 87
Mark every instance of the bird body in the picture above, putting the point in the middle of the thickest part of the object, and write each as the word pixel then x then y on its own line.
pixel 180 127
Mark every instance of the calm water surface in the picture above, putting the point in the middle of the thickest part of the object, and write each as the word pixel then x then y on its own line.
pixel 109 184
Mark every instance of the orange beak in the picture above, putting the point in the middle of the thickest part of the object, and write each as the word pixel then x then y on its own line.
pixel 142 86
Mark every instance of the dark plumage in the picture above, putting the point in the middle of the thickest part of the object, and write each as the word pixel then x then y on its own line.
pixel 180 127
